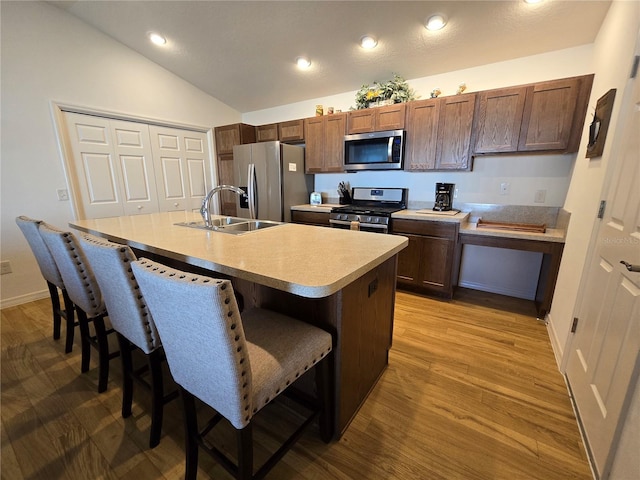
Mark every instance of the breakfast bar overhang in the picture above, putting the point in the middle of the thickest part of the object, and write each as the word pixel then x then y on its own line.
pixel 340 280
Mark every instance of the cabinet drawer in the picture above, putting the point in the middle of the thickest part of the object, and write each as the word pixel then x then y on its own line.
pixel 310 218
pixel 425 227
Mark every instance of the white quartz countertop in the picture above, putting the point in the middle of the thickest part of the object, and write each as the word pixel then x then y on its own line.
pixel 305 260
pixel 430 215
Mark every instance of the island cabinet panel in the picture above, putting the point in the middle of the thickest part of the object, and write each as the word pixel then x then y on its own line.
pixel 454 132
pixel 291 131
pixel 310 218
pixel 227 137
pixel 267 133
pixel 439 133
pixel 360 319
pixel 389 117
pixel 324 143
pixel 498 119
pixel 427 264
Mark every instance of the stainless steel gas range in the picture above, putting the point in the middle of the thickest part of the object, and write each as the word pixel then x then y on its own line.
pixel 370 210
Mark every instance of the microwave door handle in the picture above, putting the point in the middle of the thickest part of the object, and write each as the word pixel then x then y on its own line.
pixel 390 150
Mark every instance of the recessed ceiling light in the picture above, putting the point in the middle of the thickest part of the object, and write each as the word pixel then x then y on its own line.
pixel 368 42
pixel 436 22
pixel 303 63
pixel 157 38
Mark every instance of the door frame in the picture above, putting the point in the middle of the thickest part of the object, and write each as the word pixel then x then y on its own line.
pixel 58 110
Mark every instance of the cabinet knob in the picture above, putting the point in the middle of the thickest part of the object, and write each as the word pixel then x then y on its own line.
pixel 139 207
pixel 176 204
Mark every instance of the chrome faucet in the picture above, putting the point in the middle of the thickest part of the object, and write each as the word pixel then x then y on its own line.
pixel 205 210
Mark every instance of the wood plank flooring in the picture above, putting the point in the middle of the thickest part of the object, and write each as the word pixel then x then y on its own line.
pixel 472 391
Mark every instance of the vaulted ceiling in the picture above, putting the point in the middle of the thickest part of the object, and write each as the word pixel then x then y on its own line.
pixel 243 52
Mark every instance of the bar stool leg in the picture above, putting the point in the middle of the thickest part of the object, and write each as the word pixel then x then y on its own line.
pixel 55 304
pixel 103 353
pixel 85 340
pixel 127 375
pixel 191 434
pixel 71 324
pixel 157 396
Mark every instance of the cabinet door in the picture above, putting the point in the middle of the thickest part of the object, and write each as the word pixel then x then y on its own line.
pixel 498 120
pixel 226 137
pixel 292 131
pixel 454 132
pixel 225 177
pixel 548 115
pixel 310 218
pixel 437 262
pixel 361 121
pixel 335 128
pixel 409 261
pixel 267 133
pixel 314 144
pixel 422 134
pixel 390 117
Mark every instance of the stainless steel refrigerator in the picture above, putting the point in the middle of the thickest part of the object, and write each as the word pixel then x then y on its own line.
pixel 273 176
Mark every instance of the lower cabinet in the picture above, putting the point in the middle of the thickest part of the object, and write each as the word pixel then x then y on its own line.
pixel 427 264
pixel 310 218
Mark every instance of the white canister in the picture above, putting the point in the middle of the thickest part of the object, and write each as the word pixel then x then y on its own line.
pixel 315 198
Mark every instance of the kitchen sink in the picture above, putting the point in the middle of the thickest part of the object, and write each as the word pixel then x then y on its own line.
pixel 232 225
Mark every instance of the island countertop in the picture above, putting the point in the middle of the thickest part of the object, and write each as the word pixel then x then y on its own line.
pixel 309 261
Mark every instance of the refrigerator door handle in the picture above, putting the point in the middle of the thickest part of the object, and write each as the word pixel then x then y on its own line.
pixel 251 187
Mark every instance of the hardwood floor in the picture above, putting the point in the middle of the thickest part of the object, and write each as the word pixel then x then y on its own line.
pixel 471 392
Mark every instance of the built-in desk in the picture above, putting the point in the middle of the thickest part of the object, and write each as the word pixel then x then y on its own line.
pixel 550 244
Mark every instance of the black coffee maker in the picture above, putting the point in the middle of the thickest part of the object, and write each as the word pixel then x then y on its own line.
pixel 444 196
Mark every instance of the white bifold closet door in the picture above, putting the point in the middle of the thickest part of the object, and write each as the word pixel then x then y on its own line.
pixel 128 168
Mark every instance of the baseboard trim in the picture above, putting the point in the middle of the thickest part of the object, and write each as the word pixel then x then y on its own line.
pixel 557 348
pixel 19 300
pixel 493 289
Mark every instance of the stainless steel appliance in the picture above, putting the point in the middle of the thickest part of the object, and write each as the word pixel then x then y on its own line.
pixel 444 197
pixel 374 151
pixel 370 209
pixel 272 175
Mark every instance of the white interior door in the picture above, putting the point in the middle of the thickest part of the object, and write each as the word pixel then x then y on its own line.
pixel 181 167
pixel 604 360
pixel 112 167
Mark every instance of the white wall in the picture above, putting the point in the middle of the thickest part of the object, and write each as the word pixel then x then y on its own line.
pixel 612 59
pixel 49 55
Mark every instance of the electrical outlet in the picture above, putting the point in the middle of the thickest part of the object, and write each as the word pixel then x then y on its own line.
pixel 505 188
pixel 63 194
pixel 5 267
pixel 455 193
pixel 540 196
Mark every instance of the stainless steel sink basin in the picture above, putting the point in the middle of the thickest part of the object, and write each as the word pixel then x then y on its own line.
pixel 232 225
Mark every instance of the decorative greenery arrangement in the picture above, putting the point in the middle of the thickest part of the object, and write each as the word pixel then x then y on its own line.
pixel 396 90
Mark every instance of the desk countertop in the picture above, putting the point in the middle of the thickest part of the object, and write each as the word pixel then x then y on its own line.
pixel 305 260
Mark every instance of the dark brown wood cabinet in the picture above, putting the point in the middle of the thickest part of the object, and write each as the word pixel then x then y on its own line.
pixel 540 117
pixel 439 132
pixel 291 131
pixel 267 133
pixel 320 219
pixel 324 140
pixel 377 119
pixel 227 137
pixel 427 264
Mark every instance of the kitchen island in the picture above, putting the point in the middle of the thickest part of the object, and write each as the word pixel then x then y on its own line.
pixel 340 280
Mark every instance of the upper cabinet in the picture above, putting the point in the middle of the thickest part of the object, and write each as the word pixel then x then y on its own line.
pixel 439 133
pixel 377 119
pixel 324 139
pixel 291 131
pixel 227 137
pixel 546 116
pixel 267 133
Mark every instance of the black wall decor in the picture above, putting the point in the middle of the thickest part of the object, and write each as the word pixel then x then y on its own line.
pixel 600 124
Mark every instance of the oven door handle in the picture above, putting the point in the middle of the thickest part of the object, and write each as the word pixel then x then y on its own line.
pixel 347 223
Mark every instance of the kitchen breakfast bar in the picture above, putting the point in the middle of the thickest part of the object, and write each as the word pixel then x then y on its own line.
pixel 340 280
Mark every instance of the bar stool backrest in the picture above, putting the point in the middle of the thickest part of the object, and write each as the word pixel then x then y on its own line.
pixel 79 280
pixel 128 312
pixel 202 335
pixel 45 259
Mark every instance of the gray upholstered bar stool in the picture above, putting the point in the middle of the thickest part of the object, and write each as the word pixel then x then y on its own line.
pixel 234 364
pixel 84 292
pixel 51 274
pixel 130 318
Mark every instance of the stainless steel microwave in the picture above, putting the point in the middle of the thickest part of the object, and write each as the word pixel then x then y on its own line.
pixel 374 151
